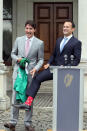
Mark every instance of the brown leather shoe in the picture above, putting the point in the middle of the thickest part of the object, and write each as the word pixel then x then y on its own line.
pixel 10 126
pixel 29 128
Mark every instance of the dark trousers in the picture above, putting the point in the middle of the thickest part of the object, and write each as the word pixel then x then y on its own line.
pixel 36 82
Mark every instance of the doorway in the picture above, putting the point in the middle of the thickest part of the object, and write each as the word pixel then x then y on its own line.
pixel 49 18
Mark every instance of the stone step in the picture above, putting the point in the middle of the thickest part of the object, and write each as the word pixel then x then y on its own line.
pixel 43 100
pixel 46 87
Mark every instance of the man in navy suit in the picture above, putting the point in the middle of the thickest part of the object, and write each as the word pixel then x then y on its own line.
pixel 65 46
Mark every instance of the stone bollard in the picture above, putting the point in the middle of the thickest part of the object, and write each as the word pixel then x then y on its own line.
pixel 4 99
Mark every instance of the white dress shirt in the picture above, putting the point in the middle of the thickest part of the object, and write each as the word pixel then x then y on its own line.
pixel 68 38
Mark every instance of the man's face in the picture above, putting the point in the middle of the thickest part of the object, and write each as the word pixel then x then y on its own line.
pixel 67 29
pixel 29 30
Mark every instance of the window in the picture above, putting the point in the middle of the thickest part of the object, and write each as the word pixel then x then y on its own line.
pixel 7 31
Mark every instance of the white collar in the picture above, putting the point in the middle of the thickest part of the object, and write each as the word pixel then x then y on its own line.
pixel 68 36
pixel 30 38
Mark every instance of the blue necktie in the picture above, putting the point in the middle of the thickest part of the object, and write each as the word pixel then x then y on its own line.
pixel 63 44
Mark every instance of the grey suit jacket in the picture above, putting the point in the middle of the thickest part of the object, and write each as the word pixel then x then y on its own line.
pixel 35 55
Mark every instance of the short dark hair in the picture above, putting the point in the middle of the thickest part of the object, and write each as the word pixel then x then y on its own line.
pixel 73 24
pixel 30 22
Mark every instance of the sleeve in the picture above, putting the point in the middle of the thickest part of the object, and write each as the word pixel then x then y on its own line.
pixel 52 57
pixel 77 53
pixel 14 53
pixel 40 56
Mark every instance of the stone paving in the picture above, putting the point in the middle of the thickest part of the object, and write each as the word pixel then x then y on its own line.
pixel 42 113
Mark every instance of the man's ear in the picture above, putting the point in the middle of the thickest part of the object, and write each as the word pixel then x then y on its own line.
pixel 73 29
pixel 34 30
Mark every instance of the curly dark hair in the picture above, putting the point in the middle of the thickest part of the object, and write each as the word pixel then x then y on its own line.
pixel 30 22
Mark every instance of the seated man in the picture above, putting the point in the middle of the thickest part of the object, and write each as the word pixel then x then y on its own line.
pixel 67 45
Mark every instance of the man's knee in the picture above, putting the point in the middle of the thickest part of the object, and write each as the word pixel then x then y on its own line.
pixel 36 80
pixel 39 78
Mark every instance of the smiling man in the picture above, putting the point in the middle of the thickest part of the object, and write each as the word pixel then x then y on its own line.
pixel 32 48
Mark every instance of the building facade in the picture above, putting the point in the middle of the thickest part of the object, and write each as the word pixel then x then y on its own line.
pixel 49 16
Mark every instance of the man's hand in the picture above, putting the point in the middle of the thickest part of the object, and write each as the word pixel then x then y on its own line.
pixel 32 72
pixel 46 66
pixel 19 60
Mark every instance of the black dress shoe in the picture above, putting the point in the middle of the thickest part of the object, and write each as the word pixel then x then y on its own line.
pixel 10 126
pixel 22 106
pixel 29 128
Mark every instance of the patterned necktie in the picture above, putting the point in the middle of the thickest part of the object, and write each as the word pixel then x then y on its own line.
pixel 63 44
pixel 27 47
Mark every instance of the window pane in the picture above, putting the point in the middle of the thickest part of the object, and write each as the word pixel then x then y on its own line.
pixel 7 9
pixel 7 41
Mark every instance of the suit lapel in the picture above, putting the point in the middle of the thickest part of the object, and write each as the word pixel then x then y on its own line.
pixel 59 44
pixel 68 43
pixel 23 45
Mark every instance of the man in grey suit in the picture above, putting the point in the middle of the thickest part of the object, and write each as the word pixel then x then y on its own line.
pixel 32 48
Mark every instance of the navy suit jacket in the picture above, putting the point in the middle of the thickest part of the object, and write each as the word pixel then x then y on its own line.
pixel 73 47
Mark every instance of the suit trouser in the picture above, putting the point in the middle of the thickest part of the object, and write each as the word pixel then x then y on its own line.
pixel 15 112
pixel 36 82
